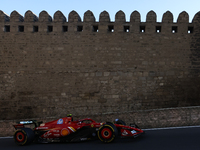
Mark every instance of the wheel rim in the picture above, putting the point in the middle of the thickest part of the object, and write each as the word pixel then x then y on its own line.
pixel 20 137
pixel 106 133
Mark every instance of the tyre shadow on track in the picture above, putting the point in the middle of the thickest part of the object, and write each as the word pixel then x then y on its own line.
pixel 118 143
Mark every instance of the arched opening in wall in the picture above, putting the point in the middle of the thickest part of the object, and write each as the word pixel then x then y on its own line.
pixel 110 28
pixel 126 28
pixel 79 28
pixel 95 28
pixel 35 28
pixel 142 29
pixel 158 29
pixel 174 29
pixel 49 28
pixel 21 28
pixel 190 30
pixel 6 28
pixel 64 28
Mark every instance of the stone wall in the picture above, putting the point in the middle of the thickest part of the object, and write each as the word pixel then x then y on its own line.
pixel 50 67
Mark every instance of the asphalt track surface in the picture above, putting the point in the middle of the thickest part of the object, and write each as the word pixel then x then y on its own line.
pixel 187 138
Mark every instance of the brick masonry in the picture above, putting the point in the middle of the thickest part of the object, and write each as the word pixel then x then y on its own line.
pixel 50 67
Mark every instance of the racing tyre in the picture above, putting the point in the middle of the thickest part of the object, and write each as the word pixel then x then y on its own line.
pixel 107 133
pixel 24 136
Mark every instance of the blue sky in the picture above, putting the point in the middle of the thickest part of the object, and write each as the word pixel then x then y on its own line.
pixel 97 6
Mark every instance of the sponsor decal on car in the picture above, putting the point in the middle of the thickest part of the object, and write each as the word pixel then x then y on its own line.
pixel 57 135
pixel 26 122
pixel 47 134
pixel 83 139
pixel 56 131
pixel 133 132
pixel 41 128
pixel 60 121
pixel 72 129
pixel 64 132
pixel 124 133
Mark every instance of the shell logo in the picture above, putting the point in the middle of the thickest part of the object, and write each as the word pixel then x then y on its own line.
pixel 64 132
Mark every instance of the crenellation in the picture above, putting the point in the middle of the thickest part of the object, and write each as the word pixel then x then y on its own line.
pixel 59 22
pixel 150 22
pixel 89 21
pixel 30 17
pixel 45 23
pixel 59 17
pixel 183 21
pixel 4 17
pixel 135 21
pixel 74 22
pixel 104 17
pixel 135 17
pixel 89 17
pixel 167 22
pixel 151 17
pixel 30 20
pixel 16 17
pixel 196 18
pixel 120 17
pixel 44 17
pixel 74 17
pixel 183 17
pixel 167 17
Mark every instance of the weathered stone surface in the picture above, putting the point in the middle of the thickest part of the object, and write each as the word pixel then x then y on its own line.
pixel 52 67
pixel 167 17
pixel 120 17
pixel 59 17
pixel 135 17
pixel 151 17
pixel 44 17
pixel 104 17
pixel 88 16
pixel 74 17
pixel 30 17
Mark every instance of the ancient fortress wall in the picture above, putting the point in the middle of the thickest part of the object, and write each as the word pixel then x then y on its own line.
pixel 50 67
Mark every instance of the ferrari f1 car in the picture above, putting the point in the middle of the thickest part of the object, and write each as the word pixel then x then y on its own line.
pixel 67 130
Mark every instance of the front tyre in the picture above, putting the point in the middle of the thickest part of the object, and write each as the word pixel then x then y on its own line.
pixel 107 133
pixel 23 136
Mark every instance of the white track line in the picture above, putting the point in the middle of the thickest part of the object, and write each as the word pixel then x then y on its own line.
pixel 169 128
pixel 8 137
pixel 152 129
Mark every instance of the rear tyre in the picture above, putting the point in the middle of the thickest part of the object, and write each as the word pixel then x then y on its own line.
pixel 107 133
pixel 24 136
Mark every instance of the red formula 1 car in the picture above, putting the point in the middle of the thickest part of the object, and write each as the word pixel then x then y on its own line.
pixel 67 130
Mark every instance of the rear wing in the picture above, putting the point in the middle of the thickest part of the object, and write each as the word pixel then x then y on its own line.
pixel 22 124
